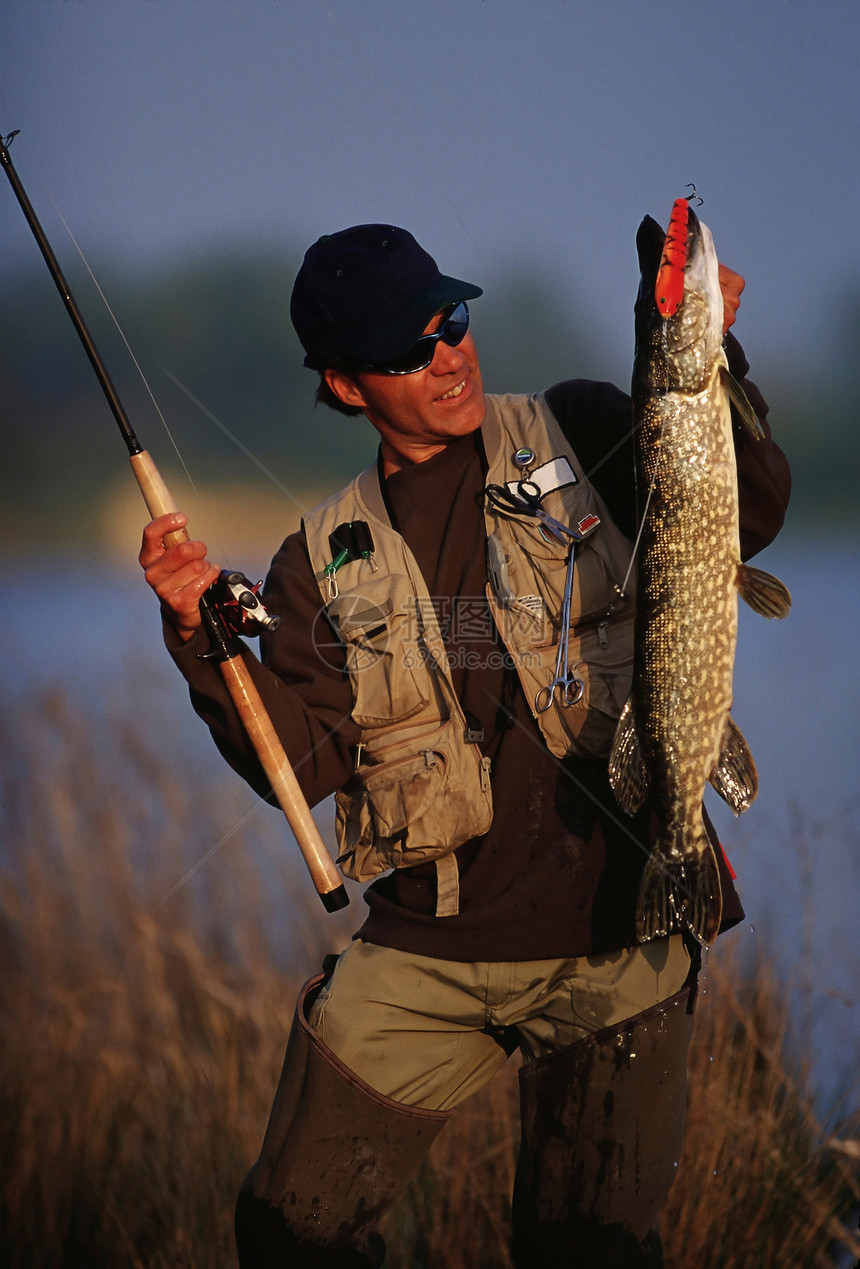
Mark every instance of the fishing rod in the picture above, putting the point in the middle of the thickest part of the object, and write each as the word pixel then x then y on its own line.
pixel 227 649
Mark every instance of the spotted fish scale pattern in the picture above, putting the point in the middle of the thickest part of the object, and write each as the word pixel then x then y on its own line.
pixel 676 732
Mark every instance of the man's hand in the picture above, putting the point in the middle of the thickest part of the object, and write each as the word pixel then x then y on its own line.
pixel 731 285
pixel 179 574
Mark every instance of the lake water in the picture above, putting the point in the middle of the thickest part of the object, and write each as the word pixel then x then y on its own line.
pixel 797 694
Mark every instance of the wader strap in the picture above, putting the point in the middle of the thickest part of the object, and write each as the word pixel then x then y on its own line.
pixel 447 886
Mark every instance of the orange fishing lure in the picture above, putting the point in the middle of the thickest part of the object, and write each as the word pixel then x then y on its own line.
pixel 669 290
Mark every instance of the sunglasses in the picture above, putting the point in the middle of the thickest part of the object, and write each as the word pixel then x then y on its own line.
pixel 452 332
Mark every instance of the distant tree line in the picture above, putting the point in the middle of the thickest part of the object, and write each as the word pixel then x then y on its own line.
pixel 218 323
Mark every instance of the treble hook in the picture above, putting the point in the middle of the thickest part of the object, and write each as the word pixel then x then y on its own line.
pixel 695 194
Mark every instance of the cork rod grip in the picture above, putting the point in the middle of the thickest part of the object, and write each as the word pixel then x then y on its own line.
pixel 281 777
pixel 255 719
pixel 156 495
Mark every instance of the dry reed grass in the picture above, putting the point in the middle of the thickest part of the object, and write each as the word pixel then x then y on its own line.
pixel 141 1037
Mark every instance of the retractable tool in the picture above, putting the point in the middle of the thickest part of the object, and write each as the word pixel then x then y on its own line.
pixel 524 498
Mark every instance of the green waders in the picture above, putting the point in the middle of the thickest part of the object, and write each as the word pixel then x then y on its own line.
pixel 602 1126
pixel 335 1157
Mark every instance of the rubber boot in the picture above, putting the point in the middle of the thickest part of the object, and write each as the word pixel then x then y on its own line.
pixel 602 1126
pixel 335 1157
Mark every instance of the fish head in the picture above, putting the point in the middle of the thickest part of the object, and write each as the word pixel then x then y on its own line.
pixel 676 353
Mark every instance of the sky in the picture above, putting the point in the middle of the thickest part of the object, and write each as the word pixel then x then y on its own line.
pixel 493 129
pixel 499 132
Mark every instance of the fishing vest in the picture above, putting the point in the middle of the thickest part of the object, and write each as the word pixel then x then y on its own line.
pixel 421 786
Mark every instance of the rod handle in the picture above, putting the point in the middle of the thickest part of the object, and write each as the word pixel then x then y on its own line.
pixel 156 495
pixel 256 721
pixel 285 786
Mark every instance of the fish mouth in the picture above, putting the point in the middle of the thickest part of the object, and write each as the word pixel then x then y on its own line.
pixel 650 246
pixel 650 238
pixel 674 347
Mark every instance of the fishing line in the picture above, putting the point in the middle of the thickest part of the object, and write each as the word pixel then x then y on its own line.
pixel 191 397
pixel 201 501
pixel 116 323
pixel 212 851
pixel 306 511
pixel 568 774
pixel 253 811
pixel 127 345
pixel 125 341
pixel 239 445
pixel 644 515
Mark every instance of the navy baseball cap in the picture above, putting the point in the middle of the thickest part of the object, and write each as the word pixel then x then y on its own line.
pixel 367 293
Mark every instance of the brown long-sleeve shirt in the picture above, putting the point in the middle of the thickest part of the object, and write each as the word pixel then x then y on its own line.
pixel 557 874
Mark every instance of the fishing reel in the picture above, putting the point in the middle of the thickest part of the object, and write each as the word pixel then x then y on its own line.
pixel 239 605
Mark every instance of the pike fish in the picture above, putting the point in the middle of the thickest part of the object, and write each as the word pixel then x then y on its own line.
pixel 675 732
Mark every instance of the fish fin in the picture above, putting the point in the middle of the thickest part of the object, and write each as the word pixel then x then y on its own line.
pixel 628 774
pixel 741 402
pixel 764 593
pixel 680 891
pixel 735 777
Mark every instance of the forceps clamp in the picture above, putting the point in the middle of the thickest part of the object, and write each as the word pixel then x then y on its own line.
pixel 570 687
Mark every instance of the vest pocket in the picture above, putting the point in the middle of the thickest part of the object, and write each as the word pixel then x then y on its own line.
pixel 606 649
pixel 382 651
pixel 600 653
pixel 411 802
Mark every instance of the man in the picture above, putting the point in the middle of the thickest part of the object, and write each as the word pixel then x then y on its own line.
pixel 502 916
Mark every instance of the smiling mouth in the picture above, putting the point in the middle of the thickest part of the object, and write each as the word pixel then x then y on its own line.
pixel 453 392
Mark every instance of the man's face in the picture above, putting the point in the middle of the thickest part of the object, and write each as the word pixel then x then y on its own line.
pixel 418 414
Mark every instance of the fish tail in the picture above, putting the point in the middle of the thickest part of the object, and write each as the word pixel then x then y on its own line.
pixel 680 890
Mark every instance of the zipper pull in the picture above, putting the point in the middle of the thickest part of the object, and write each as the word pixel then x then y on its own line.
pixel 603 634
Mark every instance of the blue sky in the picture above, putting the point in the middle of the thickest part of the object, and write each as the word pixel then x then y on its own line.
pixel 494 129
